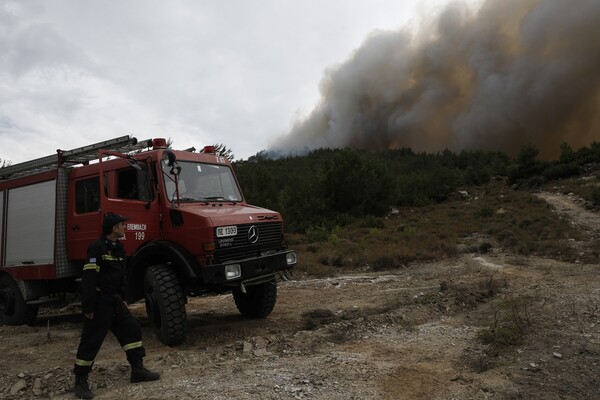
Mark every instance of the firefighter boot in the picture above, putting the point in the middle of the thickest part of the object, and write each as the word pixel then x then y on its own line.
pixel 82 388
pixel 140 374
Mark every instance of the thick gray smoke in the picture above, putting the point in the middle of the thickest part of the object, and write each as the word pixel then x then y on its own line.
pixel 513 72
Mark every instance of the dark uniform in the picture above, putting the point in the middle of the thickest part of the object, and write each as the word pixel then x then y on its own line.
pixel 103 289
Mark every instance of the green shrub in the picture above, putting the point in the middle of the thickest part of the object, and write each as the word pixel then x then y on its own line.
pixel 316 234
pixel 337 260
pixel 502 336
pixel 561 171
pixel 312 249
pixel 485 212
pixel 372 222
pixel 385 262
pixel 476 176
pixel 485 247
pixel 512 321
pixel 333 237
pixel 408 230
pixel 508 238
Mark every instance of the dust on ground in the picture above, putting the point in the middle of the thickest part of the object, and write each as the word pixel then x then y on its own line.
pixel 413 333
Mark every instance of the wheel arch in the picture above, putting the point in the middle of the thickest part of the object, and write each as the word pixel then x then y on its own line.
pixel 159 252
pixel 14 309
pixel 17 284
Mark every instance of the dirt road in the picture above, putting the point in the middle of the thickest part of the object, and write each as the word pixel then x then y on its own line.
pixel 411 333
pixel 571 208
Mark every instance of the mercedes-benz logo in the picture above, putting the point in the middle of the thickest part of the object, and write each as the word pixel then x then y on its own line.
pixel 253 234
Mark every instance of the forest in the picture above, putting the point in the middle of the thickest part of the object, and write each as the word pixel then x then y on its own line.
pixel 328 188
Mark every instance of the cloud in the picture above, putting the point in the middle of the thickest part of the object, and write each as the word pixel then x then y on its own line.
pixel 74 73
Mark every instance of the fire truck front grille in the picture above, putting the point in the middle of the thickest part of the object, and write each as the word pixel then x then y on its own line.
pixel 266 236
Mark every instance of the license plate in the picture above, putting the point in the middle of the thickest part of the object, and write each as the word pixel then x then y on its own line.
pixel 225 231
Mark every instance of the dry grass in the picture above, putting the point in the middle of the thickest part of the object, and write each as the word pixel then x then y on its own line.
pixel 494 217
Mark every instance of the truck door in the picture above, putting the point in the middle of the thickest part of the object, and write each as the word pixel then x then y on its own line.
pixel 84 216
pixel 131 193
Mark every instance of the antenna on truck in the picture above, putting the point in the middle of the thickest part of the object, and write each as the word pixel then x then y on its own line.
pixel 69 158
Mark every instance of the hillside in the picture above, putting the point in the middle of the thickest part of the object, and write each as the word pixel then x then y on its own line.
pixel 493 294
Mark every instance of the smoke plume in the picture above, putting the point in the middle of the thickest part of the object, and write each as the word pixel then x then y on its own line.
pixel 511 73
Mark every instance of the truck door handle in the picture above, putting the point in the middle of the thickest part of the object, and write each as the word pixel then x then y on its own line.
pixel 76 227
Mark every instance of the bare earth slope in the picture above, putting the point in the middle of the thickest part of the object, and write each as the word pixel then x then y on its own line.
pixel 412 333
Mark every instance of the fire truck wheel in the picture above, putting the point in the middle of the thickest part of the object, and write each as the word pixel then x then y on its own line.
pixel 258 301
pixel 13 309
pixel 165 304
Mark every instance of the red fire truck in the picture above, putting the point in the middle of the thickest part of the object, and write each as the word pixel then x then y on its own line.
pixel 190 231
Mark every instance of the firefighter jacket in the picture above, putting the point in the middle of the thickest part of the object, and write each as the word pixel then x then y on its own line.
pixel 104 273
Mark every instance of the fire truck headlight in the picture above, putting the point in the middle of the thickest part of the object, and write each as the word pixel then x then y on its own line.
pixel 291 258
pixel 233 271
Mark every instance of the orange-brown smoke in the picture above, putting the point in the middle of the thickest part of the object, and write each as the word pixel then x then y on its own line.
pixel 514 72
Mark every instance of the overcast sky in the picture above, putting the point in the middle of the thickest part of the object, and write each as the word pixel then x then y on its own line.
pixel 200 72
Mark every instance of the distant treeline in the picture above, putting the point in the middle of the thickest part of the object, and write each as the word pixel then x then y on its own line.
pixel 333 187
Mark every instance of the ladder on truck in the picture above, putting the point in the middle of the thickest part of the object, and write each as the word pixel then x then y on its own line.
pixel 68 158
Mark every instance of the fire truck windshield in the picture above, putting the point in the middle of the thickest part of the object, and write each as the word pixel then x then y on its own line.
pixel 200 182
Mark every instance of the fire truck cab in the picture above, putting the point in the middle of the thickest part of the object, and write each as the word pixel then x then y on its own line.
pixel 189 231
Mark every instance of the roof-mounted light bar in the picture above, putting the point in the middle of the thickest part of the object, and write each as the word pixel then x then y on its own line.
pixel 159 143
pixel 209 150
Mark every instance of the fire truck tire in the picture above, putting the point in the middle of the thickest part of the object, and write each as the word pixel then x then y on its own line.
pixel 258 301
pixel 13 309
pixel 165 304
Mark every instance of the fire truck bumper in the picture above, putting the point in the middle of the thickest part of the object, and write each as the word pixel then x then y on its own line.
pixel 250 270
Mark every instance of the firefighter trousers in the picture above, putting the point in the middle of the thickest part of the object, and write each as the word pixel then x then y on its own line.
pixel 111 314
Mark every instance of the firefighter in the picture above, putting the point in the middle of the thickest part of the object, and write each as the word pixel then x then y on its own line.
pixel 103 290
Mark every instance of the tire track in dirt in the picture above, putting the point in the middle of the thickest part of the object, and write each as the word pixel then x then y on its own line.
pixel 588 221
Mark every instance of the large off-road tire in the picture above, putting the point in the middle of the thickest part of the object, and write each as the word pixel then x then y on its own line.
pixel 165 304
pixel 258 301
pixel 13 309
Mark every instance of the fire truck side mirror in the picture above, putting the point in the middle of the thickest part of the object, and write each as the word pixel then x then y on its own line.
pixel 169 157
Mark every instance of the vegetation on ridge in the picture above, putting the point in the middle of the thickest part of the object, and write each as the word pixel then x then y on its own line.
pixel 353 208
